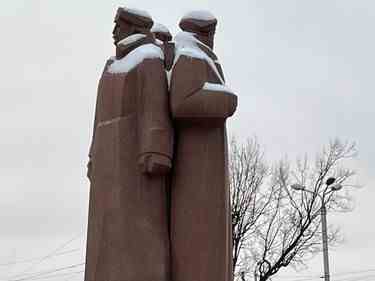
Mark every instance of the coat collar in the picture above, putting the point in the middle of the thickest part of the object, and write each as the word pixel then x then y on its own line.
pixel 132 42
pixel 208 51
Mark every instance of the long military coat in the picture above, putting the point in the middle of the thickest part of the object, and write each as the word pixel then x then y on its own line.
pixel 128 236
pixel 201 243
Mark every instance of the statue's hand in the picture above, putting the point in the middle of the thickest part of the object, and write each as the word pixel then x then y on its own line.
pixel 89 169
pixel 155 164
pixel 232 103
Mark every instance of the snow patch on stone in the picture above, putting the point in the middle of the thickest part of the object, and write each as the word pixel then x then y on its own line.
pixel 131 39
pixel 138 12
pixel 216 87
pixel 169 77
pixel 159 42
pixel 158 27
pixel 135 57
pixel 199 15
pixel 187 45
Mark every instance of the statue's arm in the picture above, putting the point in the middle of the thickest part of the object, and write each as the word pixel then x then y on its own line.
pixel 206 104
pixel 193 98
pixel 154 121
pixel 89 163
pixel 91 149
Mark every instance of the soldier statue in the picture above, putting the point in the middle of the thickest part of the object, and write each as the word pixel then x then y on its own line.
pixel 201 242
pixel 130 156
pixel 159 199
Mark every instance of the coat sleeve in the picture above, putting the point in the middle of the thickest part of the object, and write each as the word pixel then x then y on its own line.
pixel 190 101
pixel 96 117
pixel 93 131
pixel 154 121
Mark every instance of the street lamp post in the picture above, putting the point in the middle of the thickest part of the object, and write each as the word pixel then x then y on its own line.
pixel 323 213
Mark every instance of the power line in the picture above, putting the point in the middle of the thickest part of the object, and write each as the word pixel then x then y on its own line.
pixel 33 259
pixel 307 279
pixel 41 273
pixel 55 275
pixel 354 272
pixel 62 246
pixel 347 278
pixel 356 278
pixel 311 277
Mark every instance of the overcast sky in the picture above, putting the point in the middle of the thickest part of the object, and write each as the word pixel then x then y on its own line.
pixel 303 71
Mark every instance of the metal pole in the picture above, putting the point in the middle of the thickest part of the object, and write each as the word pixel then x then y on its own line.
pixel 323 213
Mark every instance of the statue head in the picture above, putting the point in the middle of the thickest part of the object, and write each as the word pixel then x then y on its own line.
pixel 130 21
pixel 202 24
pixel 161 32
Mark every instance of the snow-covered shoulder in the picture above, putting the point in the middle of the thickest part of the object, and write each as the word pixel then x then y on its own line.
pixel 138 12
pixel 158 27
pixel 216 87
pixel 199 15
pixel 135 57
pixel 187 45
pixel 159 42
pixel 131 39
pixel 189 38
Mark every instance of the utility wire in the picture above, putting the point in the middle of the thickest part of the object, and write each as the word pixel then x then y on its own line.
pixel 352 278
pixel 62 246
pixel 41 273
pixel 354 272
pixel 356 278
pixel 303 277
pixel 34 259
pixel 311 277
pixel 307 279
pixel 55 275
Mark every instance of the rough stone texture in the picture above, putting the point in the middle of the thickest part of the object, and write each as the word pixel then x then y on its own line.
pixel 145 225
pixel 167 47
pixel 201 242
pixel 128 236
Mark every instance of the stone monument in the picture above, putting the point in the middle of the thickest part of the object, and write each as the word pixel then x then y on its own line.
pixel 201 242
pixel 159 197
pixel 130 156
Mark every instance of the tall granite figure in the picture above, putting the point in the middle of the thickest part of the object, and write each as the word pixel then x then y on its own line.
pixel 201 244
pixel 130 156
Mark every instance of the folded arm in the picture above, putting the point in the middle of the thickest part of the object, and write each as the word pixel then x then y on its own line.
pixel 154 122
pixel 193 98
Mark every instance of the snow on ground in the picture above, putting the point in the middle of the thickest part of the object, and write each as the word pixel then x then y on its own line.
pixel 199 15
pixel 135 57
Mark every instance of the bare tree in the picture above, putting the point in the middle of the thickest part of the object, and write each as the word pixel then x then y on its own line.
pixel 287 230
pixel 247 174
pixel 249 201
